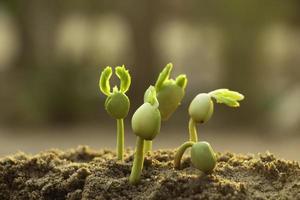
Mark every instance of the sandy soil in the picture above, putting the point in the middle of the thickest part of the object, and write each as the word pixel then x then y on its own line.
pixel 88 174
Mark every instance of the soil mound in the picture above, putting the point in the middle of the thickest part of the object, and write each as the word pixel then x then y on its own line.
pixel 88 174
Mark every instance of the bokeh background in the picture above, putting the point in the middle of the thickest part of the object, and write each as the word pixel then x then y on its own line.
pixel 52 53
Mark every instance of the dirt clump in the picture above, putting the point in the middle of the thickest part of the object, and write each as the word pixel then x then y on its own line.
pixel 83 173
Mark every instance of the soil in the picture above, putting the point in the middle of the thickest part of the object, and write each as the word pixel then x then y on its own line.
pixel 83 173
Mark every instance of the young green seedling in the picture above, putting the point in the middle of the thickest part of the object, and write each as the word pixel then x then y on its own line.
pixel 202 156
pixel 146 125
pixel 169 91
pixel 117 103
pixel 202 107
pixel 169 95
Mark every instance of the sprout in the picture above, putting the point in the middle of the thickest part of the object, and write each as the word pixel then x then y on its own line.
pixel 117 103
pixel 200 111
pixel 146 125
pixel 169 95
pixel 202 156
pixel 202 107
pixel 169 92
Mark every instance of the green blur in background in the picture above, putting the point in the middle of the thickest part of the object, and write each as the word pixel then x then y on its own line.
pixel 52 53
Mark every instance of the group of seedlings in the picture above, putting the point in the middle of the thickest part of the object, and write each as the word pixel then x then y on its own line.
pixel 160 102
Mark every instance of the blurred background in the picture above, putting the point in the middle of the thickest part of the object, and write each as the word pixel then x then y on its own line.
pixel 52 53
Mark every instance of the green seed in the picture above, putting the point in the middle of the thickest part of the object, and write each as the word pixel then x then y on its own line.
pixel 203 157
pixel 169 98
pixel 146 121
pixel 201 108
pixel 117 105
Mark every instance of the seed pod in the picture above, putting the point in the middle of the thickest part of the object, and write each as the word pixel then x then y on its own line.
pixel 201 108
pixel 117 105
pixel 146 121
pixel 203 157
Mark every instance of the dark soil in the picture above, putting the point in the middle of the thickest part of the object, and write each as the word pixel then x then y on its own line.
pixel 87 174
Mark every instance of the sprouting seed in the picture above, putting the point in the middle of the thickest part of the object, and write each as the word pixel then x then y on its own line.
pixel 169 93
pixel 117 103
pixel 203 156
pixel 202 107
pixel 145 123
pixel 200 111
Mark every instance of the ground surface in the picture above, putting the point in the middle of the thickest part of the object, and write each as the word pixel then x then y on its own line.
pixel 88 174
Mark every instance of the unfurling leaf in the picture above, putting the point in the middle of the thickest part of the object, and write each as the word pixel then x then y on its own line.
pixel 228 97
pixel 181 81
pixel 125 79
pixel 163 76
pixel 104 81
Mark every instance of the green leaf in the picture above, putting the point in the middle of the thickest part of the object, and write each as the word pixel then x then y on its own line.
pixel 104 80
pixel 181 81
pixel 150 96
pixel 115 89
pixel 124 76
pixel 228 97
pixel 163 76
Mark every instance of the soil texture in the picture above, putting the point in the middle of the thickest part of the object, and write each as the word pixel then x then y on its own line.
pixel 84 173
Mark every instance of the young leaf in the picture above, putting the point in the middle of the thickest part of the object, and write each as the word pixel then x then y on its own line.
pixel 115 89
pixel 228 97
pixel 125 79
pixel 104 81
pixel 181 81
pixel 150 96
pixel 163 76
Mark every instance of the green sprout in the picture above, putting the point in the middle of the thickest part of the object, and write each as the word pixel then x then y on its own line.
pixel 169 95
pixel 117 103
pixel 203 156
pixel 169 91
pixel 202 107
pixel 145 123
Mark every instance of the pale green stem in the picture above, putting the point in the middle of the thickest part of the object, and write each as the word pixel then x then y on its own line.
pixel 138 162
pixel 148 146
pixel 180 152
pixel 120 139
pixel 193 130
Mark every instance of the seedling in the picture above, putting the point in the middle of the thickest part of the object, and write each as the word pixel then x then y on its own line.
pixel 169 91
pixel 202 156
pixel 145 123
pixel 117 103
pixel 200 111
pixel 202 107
pixel 169 95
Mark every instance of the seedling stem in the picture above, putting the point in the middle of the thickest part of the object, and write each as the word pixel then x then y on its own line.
pixel 138 161
pixel 180 152
pixel 193 130
pixel 120 139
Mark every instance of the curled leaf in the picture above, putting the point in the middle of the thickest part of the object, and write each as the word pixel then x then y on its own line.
pixel 181 81
pixel 104 80
pixel 125 79
pixel 228 97
pixel 163 76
